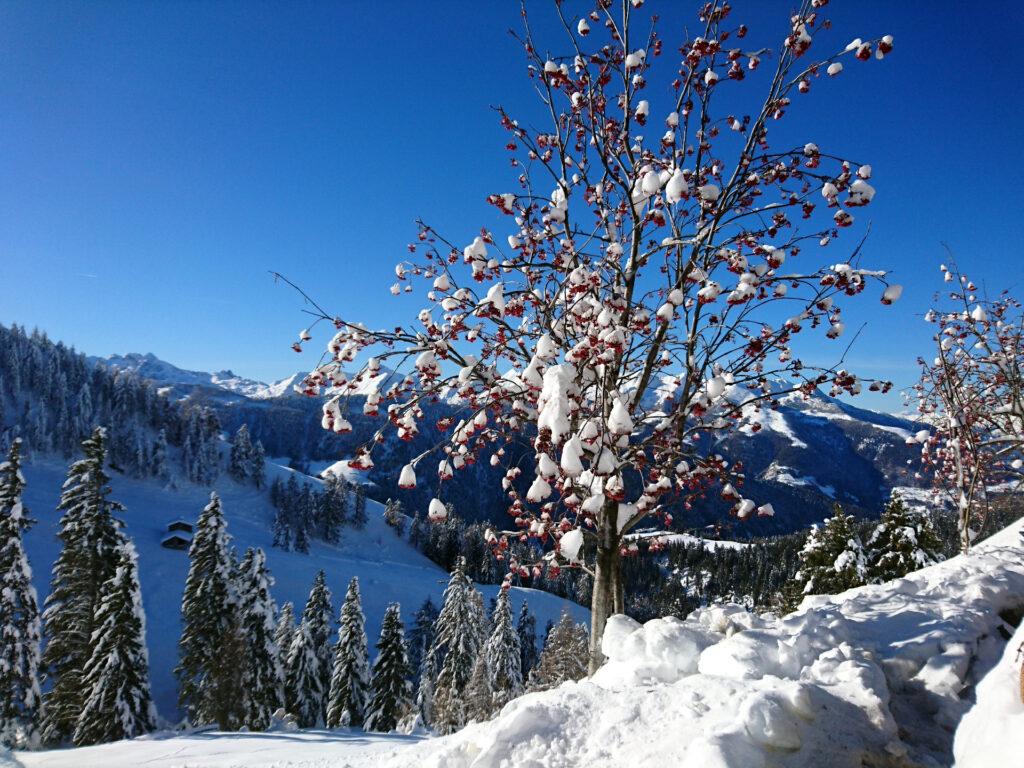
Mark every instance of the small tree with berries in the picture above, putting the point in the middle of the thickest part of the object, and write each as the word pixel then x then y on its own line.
pixel 646 297
pixel 971 399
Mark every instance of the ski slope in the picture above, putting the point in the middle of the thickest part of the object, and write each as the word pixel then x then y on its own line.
pixel 389 570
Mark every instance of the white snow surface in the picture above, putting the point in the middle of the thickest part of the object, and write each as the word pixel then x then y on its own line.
pixel 389 569
pixel 992 732
pixel 342 748
pixel 872 676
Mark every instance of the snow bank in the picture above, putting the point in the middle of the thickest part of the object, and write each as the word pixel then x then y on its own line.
pixel 873 676
pixel 992 732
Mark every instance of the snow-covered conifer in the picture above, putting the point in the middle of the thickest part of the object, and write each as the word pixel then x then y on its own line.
pixel 208 671
pixel 390 690
pixel 903 541
pixel 117 700
pixel 832 559
pixel 90 539
pixel 478 698
pixel 309 660
pixel 284 632
pixel 263 674
pixel 421 635
pixel 359 511
pixel 526 628
pixel 425 689
pixel 350 676
pixel 457 643
pixel 240 463
pixel 564 656
pixel 159 466
pixel 258 464
pixel 503 654
pixel 19 614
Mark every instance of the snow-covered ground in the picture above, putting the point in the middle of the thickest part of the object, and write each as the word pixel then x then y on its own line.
pixel 389 570
pixel 873 676
pixel 878 676
pixel 212 749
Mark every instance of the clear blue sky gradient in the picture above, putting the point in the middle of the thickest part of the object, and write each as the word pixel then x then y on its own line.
pixel 157 159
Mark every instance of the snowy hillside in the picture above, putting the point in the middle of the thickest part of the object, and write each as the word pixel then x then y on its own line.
pixel 389 569
pixel 878 676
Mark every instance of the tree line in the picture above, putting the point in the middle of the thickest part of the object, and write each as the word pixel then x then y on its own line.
pixel 242 661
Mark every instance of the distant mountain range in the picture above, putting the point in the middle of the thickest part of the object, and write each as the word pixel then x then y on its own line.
pixel 802 456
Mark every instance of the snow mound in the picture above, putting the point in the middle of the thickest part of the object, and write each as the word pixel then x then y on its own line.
pixel 992 732
pixel 878 675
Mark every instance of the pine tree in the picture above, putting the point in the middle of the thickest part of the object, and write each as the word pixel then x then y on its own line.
pixel 118 704
pixel 832 559
pixel 302 688
pixel 359 513
pixel 421 635
pixel 284 633
pixel 159 466
pixel 478 698
pixel 503 655
pixel 19 614
pixel 456 646
pixel 258 465
pixel 282 531
pixel 903 541
pixel 263 675
pixel 90 538
pixel 526 628
pixel 425 691
pixel 309 661
pixel 350 678
pixel 564 657
pixel 240 465
pixel 391 692
pixel 208 671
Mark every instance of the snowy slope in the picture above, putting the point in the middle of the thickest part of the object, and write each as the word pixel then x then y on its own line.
pixel 873 676
pixel 389 570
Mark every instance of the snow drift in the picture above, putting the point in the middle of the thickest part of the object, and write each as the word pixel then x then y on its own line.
pixel 878 675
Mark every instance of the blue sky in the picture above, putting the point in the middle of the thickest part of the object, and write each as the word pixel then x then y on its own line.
pixel 157 159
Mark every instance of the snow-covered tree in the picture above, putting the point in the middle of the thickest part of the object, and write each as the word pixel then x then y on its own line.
pixel 350 675
pixel 159 466
pixel 258 464
pixel 650 287
pixel 303 689
pixel 970 398
pixel 308 672
pixel 903 541
pixel 832 559
pixel 90 547
pixel 359 508
pixel 564 656
pixel 240 463
pixel 503 654
pixel 424 715
pixel 457 643
pixel 285 632
pixel 390 690
pixel 20 698
pixel 210 647
pixel 478 698
pixel 526 628
pixel 263 673
pixel 117 700
pixel 421 634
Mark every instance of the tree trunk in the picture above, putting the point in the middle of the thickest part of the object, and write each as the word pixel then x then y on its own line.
pixel 608 594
